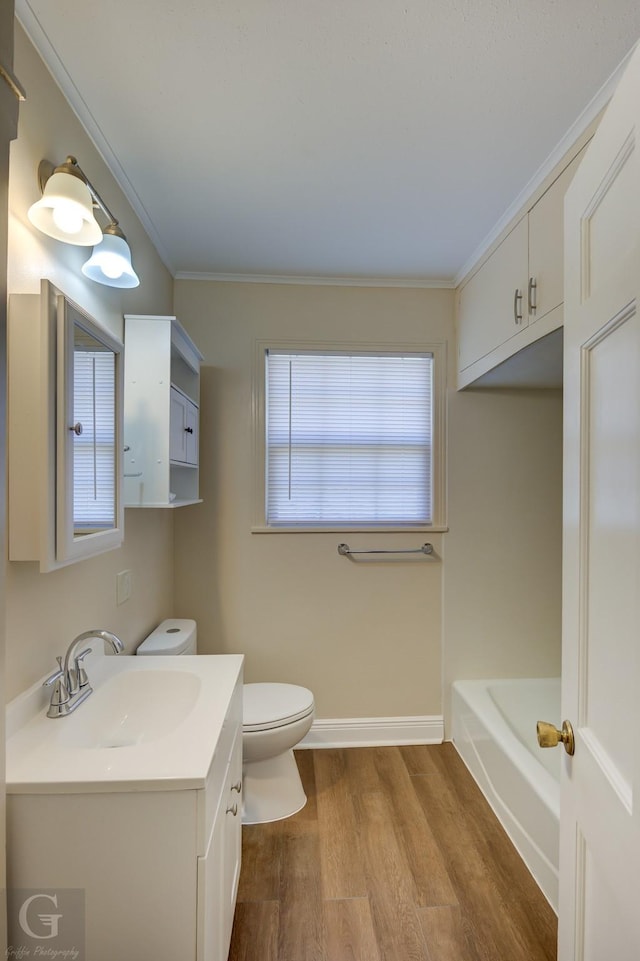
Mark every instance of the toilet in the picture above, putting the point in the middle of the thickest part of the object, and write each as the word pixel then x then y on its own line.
pixel 275 718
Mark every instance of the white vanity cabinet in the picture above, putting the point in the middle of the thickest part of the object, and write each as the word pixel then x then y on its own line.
pixel 161 413
pixel 158 865
pixel 515 296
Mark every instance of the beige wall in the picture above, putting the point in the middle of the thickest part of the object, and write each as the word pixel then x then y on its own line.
pixel 368 639
pixel 45 611
pixel 365 638
pixel 503 553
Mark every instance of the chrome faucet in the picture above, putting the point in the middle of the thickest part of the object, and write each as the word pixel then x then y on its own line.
pixel 70 682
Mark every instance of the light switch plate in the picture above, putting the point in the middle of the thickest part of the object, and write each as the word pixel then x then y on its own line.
pixel 123 586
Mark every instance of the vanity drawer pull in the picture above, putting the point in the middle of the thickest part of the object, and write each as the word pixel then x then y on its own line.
pixel 232 810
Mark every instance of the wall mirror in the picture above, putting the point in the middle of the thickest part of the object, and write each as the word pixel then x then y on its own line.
pixel 89 503
pixel 65 392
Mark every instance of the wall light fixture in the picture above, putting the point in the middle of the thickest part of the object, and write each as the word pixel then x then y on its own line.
pixel 66 212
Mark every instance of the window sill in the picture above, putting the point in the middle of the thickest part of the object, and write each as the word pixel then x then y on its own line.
pixel 262 529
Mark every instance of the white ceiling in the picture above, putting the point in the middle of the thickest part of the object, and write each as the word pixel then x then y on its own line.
pixel 334 138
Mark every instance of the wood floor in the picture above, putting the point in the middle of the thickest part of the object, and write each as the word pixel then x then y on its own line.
pixel 396 857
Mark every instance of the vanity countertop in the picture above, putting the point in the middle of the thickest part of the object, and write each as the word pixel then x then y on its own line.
pixel 151 724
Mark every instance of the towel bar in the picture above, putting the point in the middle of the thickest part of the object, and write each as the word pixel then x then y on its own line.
pixel 345 551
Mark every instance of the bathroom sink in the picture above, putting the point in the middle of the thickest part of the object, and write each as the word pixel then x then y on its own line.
pixel 132 707
pixel 150 724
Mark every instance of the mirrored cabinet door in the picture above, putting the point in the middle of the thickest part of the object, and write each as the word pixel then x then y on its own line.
pixel 89 461
pixel 65 432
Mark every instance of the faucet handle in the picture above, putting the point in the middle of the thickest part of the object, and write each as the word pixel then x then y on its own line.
pixel 81 675
pixel 60 693
pixel 56 676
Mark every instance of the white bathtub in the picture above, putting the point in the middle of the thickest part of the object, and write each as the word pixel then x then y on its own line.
pixel 494 731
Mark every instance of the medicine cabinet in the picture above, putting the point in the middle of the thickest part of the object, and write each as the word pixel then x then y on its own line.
pixel 65 400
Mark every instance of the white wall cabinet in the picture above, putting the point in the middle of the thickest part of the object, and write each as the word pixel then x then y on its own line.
pixel 159 869
pixel 161 413
pixel 516 295
pixel 65 398
pixel 490 307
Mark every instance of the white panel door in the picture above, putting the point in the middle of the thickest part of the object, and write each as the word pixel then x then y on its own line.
pixel 600 806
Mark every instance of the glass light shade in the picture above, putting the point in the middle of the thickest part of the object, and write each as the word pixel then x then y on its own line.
pixel 110 263
pixel 65 211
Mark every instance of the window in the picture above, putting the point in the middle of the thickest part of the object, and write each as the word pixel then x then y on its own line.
pixel 350 438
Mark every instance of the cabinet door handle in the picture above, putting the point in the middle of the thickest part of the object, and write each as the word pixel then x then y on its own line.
pixel 533 295
pixel 233 810
pixel 517 303
pixel 237 787
pixel 189 430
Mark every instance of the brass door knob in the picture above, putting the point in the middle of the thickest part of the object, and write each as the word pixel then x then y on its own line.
pixel 550 736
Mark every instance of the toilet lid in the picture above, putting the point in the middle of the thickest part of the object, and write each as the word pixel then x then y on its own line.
pixel 173 637
pixel 267 706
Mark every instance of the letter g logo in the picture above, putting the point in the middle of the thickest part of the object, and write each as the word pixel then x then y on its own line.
pixel 48 921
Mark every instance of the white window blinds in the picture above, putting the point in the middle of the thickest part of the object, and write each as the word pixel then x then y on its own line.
pixel 94 449
pixel 349 439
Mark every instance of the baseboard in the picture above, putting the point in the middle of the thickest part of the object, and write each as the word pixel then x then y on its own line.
pixel 374 731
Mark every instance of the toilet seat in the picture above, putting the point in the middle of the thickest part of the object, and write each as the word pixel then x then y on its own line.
pixel 269 706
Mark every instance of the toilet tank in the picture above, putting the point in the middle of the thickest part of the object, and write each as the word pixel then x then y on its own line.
pixel 176 635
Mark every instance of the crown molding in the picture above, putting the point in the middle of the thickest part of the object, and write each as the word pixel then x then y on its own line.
pixel 447 283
